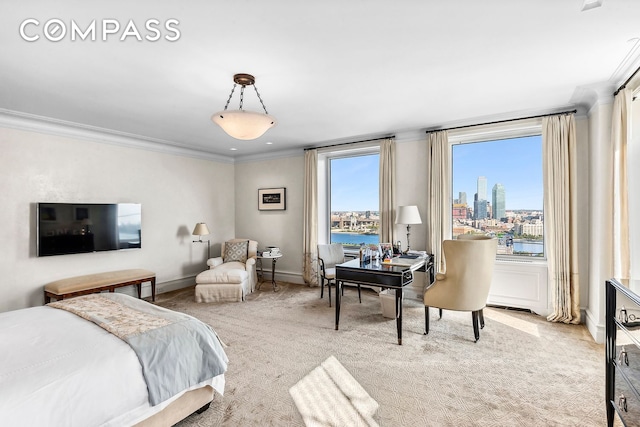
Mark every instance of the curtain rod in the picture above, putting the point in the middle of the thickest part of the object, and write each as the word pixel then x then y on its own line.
pixel 626 82
pixel 353 142
pixel 504 121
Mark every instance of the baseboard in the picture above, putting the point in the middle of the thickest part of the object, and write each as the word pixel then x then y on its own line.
pixel 173 285
pixel 597 330
pixel 285 276
pixel 161 288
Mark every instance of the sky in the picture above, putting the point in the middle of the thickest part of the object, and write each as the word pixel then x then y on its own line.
pixel 353 186
pixel 515 163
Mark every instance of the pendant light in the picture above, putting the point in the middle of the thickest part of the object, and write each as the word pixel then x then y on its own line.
pixel 242 124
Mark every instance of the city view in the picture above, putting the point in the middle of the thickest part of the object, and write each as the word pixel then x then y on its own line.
pixel 355 216
pixel 497 191
pixel 354 228
pixel 519 232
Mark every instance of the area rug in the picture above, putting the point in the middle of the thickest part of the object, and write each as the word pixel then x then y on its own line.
pixel 523 371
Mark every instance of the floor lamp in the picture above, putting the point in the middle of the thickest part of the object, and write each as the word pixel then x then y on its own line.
pixel 408 215
pixel 200 230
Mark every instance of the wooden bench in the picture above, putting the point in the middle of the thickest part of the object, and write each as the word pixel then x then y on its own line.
pixel 92 283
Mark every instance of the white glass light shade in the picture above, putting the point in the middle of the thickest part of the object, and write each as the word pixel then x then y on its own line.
pixel 200 229
pixel 241 124
pixel 408 215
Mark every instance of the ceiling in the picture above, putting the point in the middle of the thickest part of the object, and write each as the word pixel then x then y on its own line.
pixel 329 71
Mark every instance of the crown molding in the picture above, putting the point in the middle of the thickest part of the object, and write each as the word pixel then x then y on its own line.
pixel 629 64
pixel 33 123
pixel 588 96
pixel 297 152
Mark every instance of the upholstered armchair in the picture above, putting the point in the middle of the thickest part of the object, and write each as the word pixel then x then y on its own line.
pixel 231 276
pixel 464 286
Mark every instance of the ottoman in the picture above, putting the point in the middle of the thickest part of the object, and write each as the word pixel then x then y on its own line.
pixel 227 282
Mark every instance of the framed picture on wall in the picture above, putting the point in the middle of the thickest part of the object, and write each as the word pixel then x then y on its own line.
pixel 272 199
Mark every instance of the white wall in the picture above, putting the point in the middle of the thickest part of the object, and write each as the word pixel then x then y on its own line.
pixel 273 228
pixel 411 189
pixel 284 228
pixel 175 193
pixel 600 220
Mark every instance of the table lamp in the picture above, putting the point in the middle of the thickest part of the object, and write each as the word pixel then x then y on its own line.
pixel 408 215
pixel 200 230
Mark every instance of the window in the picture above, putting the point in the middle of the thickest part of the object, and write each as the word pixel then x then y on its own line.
pixel 498 191
pixel 348 194
pixel 354 205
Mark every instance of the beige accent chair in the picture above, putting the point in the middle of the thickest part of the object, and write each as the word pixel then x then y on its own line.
pixel 464 286
pixel 328 257
pixel 228 281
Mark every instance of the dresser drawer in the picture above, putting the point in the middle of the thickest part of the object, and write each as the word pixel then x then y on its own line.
pixel 626 402
pixel 407 278
pixel 628 359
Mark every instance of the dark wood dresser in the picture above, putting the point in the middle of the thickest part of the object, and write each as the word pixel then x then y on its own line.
pixel 622 351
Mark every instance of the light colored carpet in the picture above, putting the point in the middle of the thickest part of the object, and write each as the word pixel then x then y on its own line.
pixel 524 370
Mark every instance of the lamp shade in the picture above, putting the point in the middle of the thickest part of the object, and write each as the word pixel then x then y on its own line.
pixel 241 124
pixel 200 229
pixel 408 215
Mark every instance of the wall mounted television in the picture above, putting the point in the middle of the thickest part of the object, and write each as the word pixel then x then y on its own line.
pixel 72 228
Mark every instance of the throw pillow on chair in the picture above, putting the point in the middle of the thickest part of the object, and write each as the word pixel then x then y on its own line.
pixel 236 251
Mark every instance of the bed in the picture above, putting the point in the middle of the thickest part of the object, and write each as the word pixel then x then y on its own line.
pixel 65 366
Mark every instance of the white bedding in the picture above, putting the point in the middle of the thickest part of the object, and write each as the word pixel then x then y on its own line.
pixel 58 369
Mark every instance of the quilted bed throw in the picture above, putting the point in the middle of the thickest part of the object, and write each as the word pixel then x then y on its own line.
pixel 176 351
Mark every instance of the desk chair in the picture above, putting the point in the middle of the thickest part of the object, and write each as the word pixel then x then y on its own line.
pixel 464 286
pixel 328 257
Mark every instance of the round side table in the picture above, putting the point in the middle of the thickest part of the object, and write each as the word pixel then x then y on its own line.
pixel 273 259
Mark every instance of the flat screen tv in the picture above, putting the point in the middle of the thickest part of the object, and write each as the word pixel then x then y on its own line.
pixel 72 228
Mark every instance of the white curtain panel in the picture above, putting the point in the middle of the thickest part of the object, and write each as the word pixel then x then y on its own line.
pixel 310 220
pixel 560 207
pixel 387 190
pixel 620 136
pixel 439 185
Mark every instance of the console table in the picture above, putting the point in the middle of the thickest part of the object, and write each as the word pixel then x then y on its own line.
pixel 395 275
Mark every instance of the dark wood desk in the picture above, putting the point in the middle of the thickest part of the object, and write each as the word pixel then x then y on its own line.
pixel 395 275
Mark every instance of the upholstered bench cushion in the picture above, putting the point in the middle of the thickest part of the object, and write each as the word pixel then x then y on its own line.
pixel 230 272
pixel 98 280
pixel 107 281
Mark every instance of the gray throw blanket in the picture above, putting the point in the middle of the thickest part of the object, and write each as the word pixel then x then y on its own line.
pixel 176 351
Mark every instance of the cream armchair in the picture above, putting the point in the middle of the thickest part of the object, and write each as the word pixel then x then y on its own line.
pixel 232 276
pixel 464 286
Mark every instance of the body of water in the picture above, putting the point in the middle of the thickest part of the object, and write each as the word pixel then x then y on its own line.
pixel 529 247
pixel 357 239
pixel 354 238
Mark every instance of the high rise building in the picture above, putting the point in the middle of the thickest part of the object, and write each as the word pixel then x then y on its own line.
pixel 482 188
pixel 498 203
pixel 479 208
pixel 480 199
pixel 462 198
